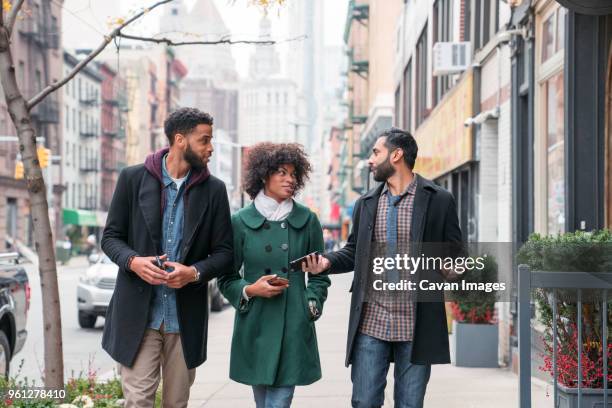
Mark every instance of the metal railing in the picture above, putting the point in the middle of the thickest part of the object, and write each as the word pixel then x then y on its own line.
pixel 528 280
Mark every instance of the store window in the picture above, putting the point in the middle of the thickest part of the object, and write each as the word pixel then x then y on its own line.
pixel 551 131
pixel 555 154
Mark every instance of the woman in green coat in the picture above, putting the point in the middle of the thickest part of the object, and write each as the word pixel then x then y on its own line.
pixel 274 346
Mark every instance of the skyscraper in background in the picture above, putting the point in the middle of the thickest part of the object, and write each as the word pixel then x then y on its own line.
pixel 212 81
pixel 268 101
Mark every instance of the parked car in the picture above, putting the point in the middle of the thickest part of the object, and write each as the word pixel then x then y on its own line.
pixel 96 286
pixel 14 306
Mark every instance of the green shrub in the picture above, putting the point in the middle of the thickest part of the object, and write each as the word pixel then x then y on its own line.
pixel 105 394
pixel 578 251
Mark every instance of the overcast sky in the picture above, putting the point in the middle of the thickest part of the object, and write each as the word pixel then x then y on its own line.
pixel 85 22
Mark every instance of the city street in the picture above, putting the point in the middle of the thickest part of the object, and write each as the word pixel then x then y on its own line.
pixel 409 124
pixel 449 386
pixel 81 346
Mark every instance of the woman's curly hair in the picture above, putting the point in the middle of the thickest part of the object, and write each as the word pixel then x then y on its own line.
pixel 263 159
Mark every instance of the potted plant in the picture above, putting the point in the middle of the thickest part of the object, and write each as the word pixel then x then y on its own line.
pixel 573 252
pixel 474 341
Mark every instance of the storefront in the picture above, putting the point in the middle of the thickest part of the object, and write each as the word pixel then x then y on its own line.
pixel 80 224
pixel 561 116
pixel 446 151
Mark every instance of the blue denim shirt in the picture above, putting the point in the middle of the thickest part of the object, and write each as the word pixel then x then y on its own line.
pixel 163 302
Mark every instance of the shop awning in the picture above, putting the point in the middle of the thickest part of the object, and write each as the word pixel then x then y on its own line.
pixel 80 217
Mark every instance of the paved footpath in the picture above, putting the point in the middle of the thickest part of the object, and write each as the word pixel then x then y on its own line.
pixel 449 386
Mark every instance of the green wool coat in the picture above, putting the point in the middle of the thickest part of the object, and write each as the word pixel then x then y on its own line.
pixel 274 341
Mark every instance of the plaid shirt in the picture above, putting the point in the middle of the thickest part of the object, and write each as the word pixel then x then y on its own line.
pixel 389 315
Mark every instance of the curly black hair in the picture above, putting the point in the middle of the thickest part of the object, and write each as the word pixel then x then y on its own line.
pixel 184 121
pixel 263 159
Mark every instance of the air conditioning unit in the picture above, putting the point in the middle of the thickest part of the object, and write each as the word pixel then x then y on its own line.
pixel 451 57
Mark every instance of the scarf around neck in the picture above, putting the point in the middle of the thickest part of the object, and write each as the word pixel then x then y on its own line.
pixel 271 209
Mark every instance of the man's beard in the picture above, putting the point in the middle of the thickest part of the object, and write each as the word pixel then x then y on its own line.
pixel 384 170
pixel 193 159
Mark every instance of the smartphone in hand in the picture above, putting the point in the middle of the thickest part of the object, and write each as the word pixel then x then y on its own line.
pixel 278 281
pixel 296 264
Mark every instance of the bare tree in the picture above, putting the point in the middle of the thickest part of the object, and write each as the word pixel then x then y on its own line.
pixel 19 110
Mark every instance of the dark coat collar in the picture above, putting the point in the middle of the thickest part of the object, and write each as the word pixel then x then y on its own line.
pixel 422 184
pixel 153 164
pixel 253 219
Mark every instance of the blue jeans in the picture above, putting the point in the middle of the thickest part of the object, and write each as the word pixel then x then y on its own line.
pixel 273 397
pixel 371 358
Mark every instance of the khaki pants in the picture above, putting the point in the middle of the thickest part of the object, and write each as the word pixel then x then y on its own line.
pixel 139 382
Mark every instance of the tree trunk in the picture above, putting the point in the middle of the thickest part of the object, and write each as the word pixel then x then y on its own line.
pixel 20 115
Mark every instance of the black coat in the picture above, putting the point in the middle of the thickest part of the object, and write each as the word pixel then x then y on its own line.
pixel 133 227
pixel 434 220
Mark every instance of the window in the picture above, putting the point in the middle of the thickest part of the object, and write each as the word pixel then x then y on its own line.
pixel 548 39
pixel 67 109
pixel 484 21
pixel 421 78
pixel 555 153
pixel 550 137
pixel 396 111
pixel 467 18
pixel 553 34
pixel 407 97
pixel 443 32
pixel 22 72
pixel 38 77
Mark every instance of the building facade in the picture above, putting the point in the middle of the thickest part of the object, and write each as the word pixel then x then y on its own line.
pixel 460 113
pixel 152 77
pixel 561 94
pixel 368 38
pixel 267 101
pixel 38 59
pixel 112 122
pixel 81 147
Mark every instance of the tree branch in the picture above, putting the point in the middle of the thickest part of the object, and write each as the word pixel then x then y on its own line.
pixel 172 43
pixel 12 15
pixel 107 39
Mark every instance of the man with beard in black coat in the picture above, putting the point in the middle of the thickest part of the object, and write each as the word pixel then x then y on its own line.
pixel 169 231
pixel 409 211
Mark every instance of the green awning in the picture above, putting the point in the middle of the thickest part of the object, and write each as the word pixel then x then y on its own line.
pixel 80 217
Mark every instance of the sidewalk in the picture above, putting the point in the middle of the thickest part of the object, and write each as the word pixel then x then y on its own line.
pixel 449 386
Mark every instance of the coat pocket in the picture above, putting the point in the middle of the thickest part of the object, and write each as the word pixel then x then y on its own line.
pixel 306 308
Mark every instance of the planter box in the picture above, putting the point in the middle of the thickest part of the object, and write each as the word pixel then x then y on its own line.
pixel 475 345
pixel 591 398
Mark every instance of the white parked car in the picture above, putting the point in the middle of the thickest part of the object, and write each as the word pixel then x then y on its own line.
pixel 96 286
